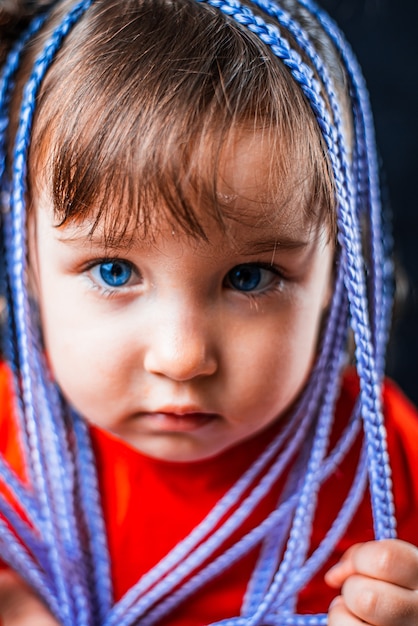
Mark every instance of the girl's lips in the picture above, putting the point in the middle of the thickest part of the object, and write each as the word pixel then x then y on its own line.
pixel 176 422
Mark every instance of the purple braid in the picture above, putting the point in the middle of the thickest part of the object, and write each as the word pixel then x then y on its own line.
pixel 370 366
pixel 6 84
pixel 50 458
pixel 367 181
pixel 368 358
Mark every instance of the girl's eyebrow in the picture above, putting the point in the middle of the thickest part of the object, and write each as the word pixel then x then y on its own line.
pixel 100 241
pixel 273 245
pixel 249 246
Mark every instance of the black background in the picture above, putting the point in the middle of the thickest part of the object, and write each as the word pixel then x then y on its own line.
pixel 384 35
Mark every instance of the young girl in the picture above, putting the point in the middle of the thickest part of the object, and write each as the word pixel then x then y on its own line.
pixel 193 238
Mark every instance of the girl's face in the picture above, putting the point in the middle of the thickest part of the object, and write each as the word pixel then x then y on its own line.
pixel 178 346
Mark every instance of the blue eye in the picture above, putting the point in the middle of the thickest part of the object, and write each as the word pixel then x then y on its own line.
pixel 115 273
pixel 249 277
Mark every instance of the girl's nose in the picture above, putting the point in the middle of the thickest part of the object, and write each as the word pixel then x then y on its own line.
pixel 180 350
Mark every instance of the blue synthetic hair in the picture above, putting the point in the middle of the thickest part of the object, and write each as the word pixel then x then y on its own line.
pixel 62 551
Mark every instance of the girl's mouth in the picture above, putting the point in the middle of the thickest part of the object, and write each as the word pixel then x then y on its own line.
pixel 165 422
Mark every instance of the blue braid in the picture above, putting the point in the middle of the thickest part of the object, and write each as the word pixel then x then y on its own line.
pixel 369 368
pixel 6 84
pixel 90 508
pixel 26 501
pixel 67 561
pixel 59 520
pixel 19 559
pixel 380 307
pixel 367 180
pixel 295 583
pixel 327 361
pixel 382 271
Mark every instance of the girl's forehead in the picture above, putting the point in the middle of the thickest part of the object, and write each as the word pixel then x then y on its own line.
pixel 244 168
pixel 238 192
pixel 248 231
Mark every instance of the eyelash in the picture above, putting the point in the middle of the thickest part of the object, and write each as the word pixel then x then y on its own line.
pixel 277 284
pixel 108 291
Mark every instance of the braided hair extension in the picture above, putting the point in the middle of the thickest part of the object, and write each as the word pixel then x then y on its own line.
pixel 73 581
pixel 61 549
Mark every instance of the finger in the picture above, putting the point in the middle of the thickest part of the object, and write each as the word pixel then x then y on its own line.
pixel 335 576
pixel 339 615
pixel 390 560
pixel 380 603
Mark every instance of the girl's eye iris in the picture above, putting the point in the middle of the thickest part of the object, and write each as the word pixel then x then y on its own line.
pixel 249 277
pixel 115 273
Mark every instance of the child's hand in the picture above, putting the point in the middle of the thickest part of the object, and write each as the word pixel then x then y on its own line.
pixel 18 604
pixel 379 582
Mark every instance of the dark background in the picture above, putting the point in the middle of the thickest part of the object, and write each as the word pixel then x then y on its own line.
pixel 384 35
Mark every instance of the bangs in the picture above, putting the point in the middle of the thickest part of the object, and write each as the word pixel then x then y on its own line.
pixel 133 122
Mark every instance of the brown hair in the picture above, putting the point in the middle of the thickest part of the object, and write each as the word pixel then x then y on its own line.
pixel 140 101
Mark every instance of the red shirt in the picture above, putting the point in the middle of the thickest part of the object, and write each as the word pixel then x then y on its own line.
pixel 150 505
